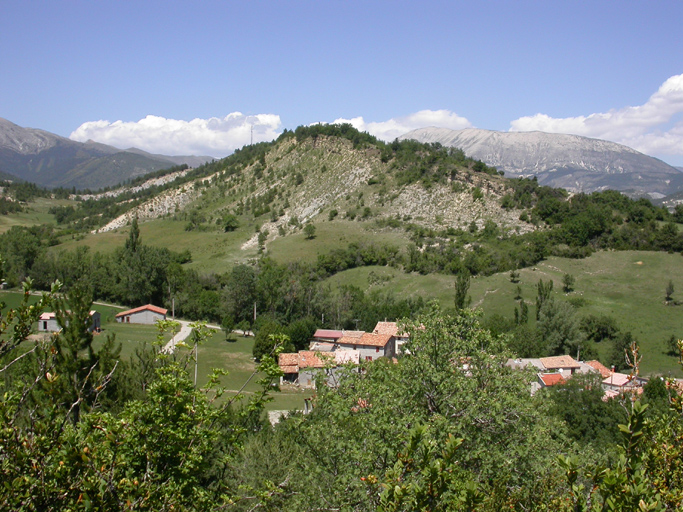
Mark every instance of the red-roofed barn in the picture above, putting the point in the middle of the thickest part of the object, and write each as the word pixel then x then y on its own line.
pixel 147 314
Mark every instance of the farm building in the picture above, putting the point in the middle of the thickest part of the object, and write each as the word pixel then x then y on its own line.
pixel 48 322
pixel 147 314
pixel 370 346
pixel 391 328
pixel 301 368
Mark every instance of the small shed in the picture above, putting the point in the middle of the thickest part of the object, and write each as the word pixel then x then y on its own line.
pixel 147 314
pixel 48 322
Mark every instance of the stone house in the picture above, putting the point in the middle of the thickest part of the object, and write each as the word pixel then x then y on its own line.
pixel 301 368
pixel 369 346
pixel 391 328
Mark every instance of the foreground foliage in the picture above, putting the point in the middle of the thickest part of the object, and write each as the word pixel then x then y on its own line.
pixel 448 426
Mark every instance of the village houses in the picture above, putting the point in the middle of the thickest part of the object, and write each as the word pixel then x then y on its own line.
pixel 330 349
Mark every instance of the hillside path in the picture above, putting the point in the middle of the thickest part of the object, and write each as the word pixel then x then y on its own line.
pixel 182 335
pixel 185 330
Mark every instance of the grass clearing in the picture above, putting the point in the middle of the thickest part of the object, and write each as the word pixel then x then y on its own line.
pixel 329 236
pixel 628 285
pixel 212 250
pixel 235 357
pixel 37 214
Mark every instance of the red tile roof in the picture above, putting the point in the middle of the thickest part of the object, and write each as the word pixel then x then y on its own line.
pixel 551 379
pixel 327 334
pixel 601 368
pixel 146 307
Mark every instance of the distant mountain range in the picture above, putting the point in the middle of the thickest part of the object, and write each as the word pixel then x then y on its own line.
pixel 578 164
pixel 558 160
pixel 53 161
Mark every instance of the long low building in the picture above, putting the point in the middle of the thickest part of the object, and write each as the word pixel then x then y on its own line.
pixel 147 314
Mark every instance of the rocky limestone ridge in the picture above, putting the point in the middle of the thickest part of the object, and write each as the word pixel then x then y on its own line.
pixel 579 164
pixel 26 140
pixel 311 178
pixel 153 182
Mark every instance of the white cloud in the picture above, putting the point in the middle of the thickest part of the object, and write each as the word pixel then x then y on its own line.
pixel 393 128
pixel 646 127
pixel 216 137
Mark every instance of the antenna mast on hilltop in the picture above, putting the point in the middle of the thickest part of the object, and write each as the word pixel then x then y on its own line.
pixel 252 135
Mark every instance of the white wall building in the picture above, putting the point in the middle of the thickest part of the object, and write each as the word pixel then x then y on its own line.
pixel 147 314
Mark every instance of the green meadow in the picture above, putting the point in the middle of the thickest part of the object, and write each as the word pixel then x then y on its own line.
pixel 234 355
pixel 628 285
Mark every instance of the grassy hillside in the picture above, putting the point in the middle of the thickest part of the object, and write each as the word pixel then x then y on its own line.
pixel 346 193
pixel 36 214
pixel 629 286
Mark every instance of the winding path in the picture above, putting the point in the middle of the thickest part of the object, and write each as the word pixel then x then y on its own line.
pixel 182 335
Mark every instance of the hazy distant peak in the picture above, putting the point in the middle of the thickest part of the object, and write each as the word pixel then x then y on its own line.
pixel 560 160
pixel 25 140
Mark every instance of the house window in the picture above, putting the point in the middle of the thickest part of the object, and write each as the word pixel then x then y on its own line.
pixel 368 358
pixel 376 349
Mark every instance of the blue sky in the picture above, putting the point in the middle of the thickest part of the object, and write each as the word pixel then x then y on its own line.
pixel 194 77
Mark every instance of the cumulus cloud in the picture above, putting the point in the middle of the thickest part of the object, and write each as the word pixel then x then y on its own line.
pixel 654 128
pixel 216 137
pixel 393 128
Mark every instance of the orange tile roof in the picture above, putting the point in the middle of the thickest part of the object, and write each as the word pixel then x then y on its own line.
pixel 551 379
pixel 368 339
pixel 327 333
pixel 353 334
pixel 288 359
pixel 553 363
pixel 148 307
pixel 49 315
pixel 601 368
pixel 288 362
pixel 388 328
pixel 293 362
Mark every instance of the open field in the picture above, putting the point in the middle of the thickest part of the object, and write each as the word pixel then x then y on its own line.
pixel 212 250
pixel 329 236
pixel 217 251
pixel 37 214
pixel 233 356
pixel 628 285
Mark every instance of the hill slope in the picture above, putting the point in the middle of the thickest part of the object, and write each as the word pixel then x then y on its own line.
pixel 558 160
pixel 50 160
pixel 304 181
